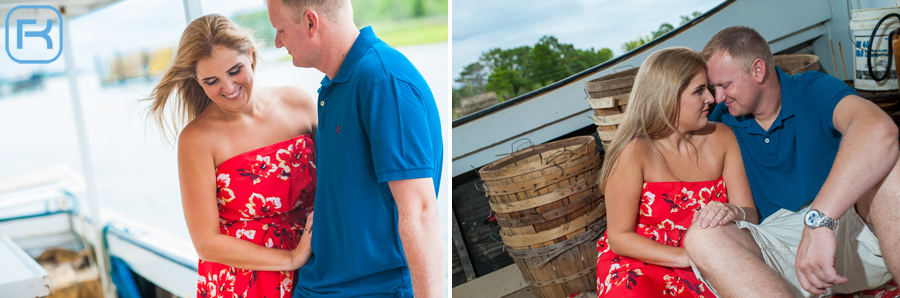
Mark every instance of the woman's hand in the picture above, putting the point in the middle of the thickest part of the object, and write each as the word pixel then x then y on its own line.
pixel 715 214
pixel 300 255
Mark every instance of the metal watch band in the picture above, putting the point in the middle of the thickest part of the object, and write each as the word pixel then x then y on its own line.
pixel 828 222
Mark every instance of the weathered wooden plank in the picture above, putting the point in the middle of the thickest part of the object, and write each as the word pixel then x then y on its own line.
pixel 463 254
pixel 482 241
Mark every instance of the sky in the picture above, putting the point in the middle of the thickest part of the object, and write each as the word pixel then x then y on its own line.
pixel 477 26
pixel 125 27
pixel 480 25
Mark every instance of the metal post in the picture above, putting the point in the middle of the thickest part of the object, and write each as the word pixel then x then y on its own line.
pixel 87 169
pixel 192 10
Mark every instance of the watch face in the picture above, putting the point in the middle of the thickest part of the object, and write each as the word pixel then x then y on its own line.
pixel 811 218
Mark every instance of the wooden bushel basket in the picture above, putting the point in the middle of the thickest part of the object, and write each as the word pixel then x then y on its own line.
pixel 560 269
pixel 611 84
pixel 609 98
pixel 549 209
pixel 797 63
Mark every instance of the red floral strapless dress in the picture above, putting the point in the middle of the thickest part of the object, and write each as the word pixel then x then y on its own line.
pixel 264 197
pixel 666 211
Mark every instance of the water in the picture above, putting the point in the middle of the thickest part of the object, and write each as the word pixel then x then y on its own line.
pixel 134 168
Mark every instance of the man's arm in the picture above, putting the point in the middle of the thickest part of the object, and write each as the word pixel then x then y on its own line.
pixel 420 233
pixel 867 152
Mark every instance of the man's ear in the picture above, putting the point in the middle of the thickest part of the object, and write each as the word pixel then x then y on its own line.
pixel 312 22
pixel 759 70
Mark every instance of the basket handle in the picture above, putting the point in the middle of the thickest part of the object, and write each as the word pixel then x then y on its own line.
pixel 557 154
pixel 616 69
pixel 552 157
pixel 513 148
pixel 483 189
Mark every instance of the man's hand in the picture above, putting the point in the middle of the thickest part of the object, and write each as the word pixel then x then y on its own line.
pixel 815 264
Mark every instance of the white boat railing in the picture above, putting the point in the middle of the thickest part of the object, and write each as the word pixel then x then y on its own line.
pixel 39 211
pixel 21 275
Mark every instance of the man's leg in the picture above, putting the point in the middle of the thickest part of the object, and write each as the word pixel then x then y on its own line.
pixel 882 212
pixel 730 260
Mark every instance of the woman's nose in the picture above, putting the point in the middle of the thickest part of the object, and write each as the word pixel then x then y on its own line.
pixel 227 86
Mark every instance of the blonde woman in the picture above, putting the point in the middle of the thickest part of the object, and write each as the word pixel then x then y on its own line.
pixel 246 162
pixel 665 171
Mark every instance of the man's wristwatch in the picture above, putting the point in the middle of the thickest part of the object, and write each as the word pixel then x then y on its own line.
pixel 815 218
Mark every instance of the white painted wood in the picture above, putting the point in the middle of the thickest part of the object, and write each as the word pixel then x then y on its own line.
pixel 56 177
pixel 160 271
pixel 38 233
pixel 165 273
pixel 21 275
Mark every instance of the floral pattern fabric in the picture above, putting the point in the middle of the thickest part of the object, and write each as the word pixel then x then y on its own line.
pixel 666 211
pixel 264 197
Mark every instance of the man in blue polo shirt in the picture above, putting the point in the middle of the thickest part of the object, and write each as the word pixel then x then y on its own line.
pixel 379 152
pixel 822 165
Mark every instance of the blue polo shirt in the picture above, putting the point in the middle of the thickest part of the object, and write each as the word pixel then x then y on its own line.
pixel 787 164
pixel 378 122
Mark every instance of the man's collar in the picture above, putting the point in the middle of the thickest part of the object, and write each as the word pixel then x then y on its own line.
pixel 787 106
pixel 362 44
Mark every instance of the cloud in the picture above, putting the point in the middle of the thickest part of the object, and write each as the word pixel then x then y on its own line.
pixel 474 18
pixel 480 25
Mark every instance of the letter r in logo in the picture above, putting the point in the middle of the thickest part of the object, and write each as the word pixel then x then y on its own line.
pixel 45 34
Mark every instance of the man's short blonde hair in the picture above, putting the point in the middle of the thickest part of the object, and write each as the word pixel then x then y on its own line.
pixel 338 11
pixel 743 44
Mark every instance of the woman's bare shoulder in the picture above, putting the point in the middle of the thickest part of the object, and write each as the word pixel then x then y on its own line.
pixel 722 131
pixel 635 150
pixel 198 134
pixel 294 97
pixel 713 130
pixel 719 136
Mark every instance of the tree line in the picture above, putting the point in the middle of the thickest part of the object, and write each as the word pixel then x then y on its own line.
pixel 513 72
pixel 364 12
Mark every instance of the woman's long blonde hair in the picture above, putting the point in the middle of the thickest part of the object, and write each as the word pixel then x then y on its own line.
pixel 653 103
pixel 197 42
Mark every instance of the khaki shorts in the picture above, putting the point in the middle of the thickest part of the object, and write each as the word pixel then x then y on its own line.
pixel 858 255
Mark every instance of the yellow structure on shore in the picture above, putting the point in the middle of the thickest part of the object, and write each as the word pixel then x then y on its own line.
pixel 146 64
